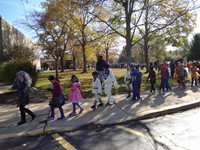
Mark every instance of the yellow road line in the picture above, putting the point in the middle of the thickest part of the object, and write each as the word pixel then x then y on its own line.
pixel 63 142
pixel 143 135
pixel 132 131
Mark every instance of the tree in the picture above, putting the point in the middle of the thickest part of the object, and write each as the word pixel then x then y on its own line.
pixel 52 30
pixel 165 25
pixel 82 21
pixel 195 47
pixel 123 17
pixel 165 20
pixel 109 42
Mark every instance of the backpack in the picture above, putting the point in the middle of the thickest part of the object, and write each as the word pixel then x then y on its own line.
pixel 166 73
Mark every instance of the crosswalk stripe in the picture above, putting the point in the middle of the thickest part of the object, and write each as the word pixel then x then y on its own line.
pixel 63 142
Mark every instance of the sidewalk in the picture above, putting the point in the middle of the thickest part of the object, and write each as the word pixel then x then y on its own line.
pixel 123 110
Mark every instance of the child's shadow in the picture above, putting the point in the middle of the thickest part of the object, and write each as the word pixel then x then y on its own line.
pixel 159 100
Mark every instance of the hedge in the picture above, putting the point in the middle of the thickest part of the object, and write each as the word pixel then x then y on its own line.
pixel 9 70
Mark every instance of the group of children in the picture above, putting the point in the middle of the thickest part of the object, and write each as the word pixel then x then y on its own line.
pixel 133 84
pixel 133 79
pixel 76 96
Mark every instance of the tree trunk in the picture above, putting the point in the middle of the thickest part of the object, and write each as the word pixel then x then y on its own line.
pixel 74 62
pixel 56 68
pixel 62 63
pixel 146 56
pixel 146 37
pixel 84 59
pixel 84 50
pixel 128 37
pixel 107 57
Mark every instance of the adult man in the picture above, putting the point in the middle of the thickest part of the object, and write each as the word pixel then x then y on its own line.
pixel 99 67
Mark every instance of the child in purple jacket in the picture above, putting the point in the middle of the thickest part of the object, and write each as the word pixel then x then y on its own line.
pixel 58 99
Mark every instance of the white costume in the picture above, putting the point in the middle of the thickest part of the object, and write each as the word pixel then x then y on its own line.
pixel 127 80
pixel 109 82
pixel 96 88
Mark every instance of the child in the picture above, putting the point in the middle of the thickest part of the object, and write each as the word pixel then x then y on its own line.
pixel 136 80
pixel 198 67
pixel 127 80
pixel 109 81
pixel 97 89
pixel 183 75
pixel 194 74
pixel 58 99
pixel 177 74
pixel 165 79
pixel 21 84
pixel 152 77
pixel 75 95
pixel 140 81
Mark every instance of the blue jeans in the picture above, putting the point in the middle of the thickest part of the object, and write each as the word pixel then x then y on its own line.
pixel 136 93
pixel 60 109
pixel 101 75
pixel 74 106
pixel 165 83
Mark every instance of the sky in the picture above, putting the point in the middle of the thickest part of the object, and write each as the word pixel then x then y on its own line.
pixel 14 10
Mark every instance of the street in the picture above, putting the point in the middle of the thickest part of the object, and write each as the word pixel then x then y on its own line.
pixel 179 131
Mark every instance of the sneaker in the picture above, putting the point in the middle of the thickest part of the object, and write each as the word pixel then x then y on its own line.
pixel 108 104
pixel 72 114
pixel 101 104
pixel 133 100
pixel 50 117
pixel 60 118
pixel 93 107
pixel 21 122
pixel 81 110
pixel 33 117
pixel 128 96
pixel 162 92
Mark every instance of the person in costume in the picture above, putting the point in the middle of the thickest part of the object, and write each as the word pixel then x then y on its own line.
pixel 110 80
pixel 97 90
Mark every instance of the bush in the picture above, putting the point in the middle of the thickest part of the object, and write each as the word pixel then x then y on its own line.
pixel 9 70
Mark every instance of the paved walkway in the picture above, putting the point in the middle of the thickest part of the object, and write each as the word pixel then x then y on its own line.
pixel 123 110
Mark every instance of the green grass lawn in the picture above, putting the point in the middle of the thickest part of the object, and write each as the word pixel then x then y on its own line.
pixel 86 81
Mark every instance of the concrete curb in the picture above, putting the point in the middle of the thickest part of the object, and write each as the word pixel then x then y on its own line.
pixel 171 110
pixel 29 133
